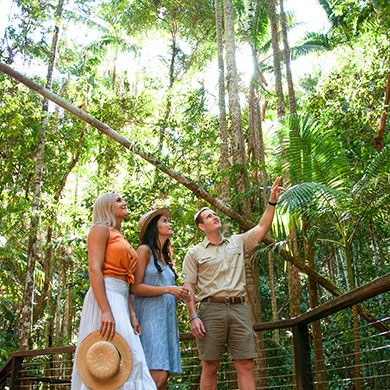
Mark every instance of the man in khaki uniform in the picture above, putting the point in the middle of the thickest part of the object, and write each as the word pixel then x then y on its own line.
pixel 216 268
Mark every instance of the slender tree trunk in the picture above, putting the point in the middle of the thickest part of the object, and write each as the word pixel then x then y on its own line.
pixel 49 247
pixel 356 337
pixel 294 288
pixel 224 149
pixel 276 58
pixel 28 297
pixel 287 60
pixel 48 269
pixel 256 155
pixel 238 144
pixel 253 297
pixel 378 141
pixel 254 131
pixel 242 182
pixel 58 306
pixel 172 79
pixel 319 362
pixel 257 146
pixel 244 223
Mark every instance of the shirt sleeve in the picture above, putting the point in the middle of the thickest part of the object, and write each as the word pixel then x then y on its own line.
pixel 190 269
pixel 249 241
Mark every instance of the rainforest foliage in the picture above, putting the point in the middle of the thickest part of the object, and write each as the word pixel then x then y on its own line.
pixel 148 69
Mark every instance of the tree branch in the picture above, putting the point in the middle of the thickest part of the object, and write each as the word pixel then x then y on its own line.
pixel 186 182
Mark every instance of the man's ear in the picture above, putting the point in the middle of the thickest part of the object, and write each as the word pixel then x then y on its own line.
pixel 201 227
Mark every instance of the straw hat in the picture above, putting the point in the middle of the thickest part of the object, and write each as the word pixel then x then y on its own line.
pixel 145 220
pixel 104 365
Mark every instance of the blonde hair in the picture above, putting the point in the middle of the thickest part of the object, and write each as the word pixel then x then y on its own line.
pixel 104 211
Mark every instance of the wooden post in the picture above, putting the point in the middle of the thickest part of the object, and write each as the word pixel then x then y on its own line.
pixel 15 372
pixel 304 378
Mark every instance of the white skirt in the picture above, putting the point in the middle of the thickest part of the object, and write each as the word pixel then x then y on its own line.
pixel 117 292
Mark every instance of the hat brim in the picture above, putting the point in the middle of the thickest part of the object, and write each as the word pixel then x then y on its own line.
pixel 147 218
pixel 125 366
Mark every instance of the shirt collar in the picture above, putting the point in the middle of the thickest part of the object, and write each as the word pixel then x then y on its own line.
pixel 206 242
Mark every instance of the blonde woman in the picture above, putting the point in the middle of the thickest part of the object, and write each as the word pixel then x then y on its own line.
pixel 107 306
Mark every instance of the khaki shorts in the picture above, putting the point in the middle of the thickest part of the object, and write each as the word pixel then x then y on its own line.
pixel 226 324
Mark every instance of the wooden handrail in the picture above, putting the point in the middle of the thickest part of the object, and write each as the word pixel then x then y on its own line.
pixel 374 288
pixel 369 290
pixel 359 294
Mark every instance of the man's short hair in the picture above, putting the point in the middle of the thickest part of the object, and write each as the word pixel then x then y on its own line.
pixel 198 218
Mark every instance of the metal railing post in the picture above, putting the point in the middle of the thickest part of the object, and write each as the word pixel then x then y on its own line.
pixel 304 377
pixel 15 372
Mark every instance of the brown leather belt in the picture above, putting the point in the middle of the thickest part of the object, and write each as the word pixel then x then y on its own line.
pixel 226 300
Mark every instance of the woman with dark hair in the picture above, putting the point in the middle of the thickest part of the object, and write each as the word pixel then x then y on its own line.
pixel 155 296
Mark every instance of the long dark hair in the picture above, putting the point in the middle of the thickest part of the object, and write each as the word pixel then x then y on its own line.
pixel 150 239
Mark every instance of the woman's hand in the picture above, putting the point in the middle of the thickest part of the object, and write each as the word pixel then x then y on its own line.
pixel 107 325
pixel 135 324
pixel 179 292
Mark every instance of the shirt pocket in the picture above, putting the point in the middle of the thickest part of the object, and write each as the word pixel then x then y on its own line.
pixel 208 264
pixel 207 259
pixel 234 251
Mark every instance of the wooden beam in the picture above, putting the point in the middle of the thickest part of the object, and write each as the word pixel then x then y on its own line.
pixel 303 374
pixel 376 287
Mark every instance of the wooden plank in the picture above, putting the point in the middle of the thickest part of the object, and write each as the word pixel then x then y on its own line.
pixel 376 287
pixel 49 351
pixel 281 324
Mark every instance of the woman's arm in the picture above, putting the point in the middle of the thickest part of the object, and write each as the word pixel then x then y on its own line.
pixel 97 243
pixel 146 290
pixel 133 318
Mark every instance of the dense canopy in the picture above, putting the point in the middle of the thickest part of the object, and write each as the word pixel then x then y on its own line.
pixel 213 112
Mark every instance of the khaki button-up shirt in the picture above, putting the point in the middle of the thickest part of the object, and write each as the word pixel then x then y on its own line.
pixel 219 270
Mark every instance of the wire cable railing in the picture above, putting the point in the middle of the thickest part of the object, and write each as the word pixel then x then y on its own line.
pixel 343 361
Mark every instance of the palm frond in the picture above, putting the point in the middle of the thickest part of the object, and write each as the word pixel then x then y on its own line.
pixel 313 42
pixel 376 173
pixel 314 154
pixel 311 198
pixel 326 6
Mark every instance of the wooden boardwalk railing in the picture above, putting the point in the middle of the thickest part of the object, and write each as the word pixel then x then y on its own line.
pixel 22 371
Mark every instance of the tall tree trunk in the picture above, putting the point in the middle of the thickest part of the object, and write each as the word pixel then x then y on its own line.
pixel 242 182
pixel 294 288
pixel 356 343
pixel 28 296
pixel 378 141
pixel 276 58
pixel 48 258
pixel 58 314
pixel 293 275
pixel 256 148
pixel 172 79
pixel 238 144
pixel 287 61
pixel 256 155
pixel 319 362
pixel 244 223
pixel 252 271
pixel 222 124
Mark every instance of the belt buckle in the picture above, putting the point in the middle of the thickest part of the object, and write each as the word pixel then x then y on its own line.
pixel 227 300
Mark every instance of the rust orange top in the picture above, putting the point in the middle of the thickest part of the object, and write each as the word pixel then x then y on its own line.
pixel 121 258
